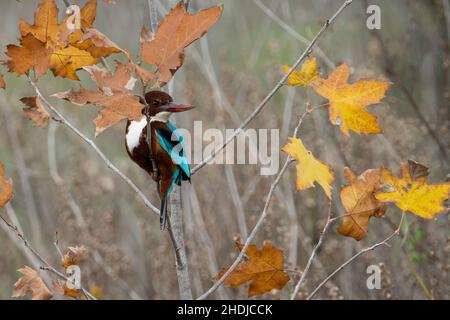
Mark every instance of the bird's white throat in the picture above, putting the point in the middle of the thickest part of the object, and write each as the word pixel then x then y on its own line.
pixel 136 127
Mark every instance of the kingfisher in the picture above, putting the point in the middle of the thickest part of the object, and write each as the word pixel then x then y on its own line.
pixel 165 161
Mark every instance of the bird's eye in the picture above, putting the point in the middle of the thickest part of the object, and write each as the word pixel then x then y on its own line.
pixel 156 102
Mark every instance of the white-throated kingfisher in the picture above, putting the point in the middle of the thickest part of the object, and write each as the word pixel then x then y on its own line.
pixel 165 161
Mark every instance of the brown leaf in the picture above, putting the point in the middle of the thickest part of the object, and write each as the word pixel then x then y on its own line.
pixel 6 188
pixel 263 269
pixel 115 96
pixel 31 54
pixel 145 75
pixel 2 82
pixel 178 30
pixel 73 256
pixel 358 198
pixel 99 45
pixel 31 281
pixel 45 27
pixel 36 111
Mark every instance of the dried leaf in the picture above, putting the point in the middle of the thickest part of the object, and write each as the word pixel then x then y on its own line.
pixel 99 45
pixel 6 187
pixel 65 62
pixel 2 82
pixel 178 30
pixel 348 101
pixel 263 269
pixel 31 281
pixel 145 75
pixel 358 199
pixel 307 76
pixel 115 96
pixel 309 169
pixel 32 54
pixel 73 256
pixel 412 192
pixel 36 111
pixel 45 27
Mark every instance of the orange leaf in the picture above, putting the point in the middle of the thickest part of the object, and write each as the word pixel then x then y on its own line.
pixel 73 256
pixel 348 101
pixel 309 168
pixel 32 54
pixel 115 96
pixel 31 281
pixel 45 27
pixel 6 188
pixel 412 192
pixel 263 269
pixel 178 30
pixel 358 199
pixel 2 82
pixel 307 76
pixel 36 111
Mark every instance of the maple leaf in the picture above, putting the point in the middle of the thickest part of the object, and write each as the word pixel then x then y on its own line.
pixel 348 101
pixel 412 193
pixel 73 256
pixel 309 169
pixel 263 269
pixel 307 76
pixel 32 54
pixel 114 97
pixel 178 30
pixel 98 44
pixel 2 82
pixel 36 111
pixel 6 188
pixel 31 281
pixel 66 61
pixel 358 199
pixel 46 26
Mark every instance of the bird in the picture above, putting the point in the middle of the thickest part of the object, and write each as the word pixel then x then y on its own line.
pixel 165 161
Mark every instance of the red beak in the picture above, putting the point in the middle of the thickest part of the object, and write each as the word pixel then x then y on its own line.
pixel 174 107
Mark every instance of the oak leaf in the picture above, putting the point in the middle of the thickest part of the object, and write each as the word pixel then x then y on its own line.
pixel 178 30
pixel 114 96
pixel 412 192
pixel 30 281
pixel 358 199
pixel 36 111
pixel 263 269
pixel 348 101
pixel 309 168
pixel 307 76
pixel 6 187
pixel 31 54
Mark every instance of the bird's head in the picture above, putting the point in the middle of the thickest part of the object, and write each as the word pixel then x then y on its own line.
pixel 161 106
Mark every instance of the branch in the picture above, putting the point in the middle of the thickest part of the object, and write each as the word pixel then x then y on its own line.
pixel 313 253
pixel 280 83
pixel 354 257
pixel 46 266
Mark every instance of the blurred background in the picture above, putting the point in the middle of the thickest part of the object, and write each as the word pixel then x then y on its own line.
pixel 61 185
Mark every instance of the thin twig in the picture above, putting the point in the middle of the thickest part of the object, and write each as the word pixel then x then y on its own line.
pixel 280 83
pixel 313 254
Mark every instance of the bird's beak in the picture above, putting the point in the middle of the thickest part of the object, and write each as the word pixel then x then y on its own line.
pixel 174 107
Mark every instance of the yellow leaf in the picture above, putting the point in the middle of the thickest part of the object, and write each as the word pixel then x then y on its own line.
pixel 348 101
pixel 307 76
pixel 309 169
pixel 412 193
pixel 66 61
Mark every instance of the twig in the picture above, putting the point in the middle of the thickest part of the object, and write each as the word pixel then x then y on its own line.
pixel 280 83
pixel 260 221
pixel 354 257
pixel 91 143
pixel 47 266
pixel 313 253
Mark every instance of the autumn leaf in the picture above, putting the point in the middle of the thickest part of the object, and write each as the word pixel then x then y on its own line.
pixel 99 45
pixel 358 199
pixel 30 281
pixel 73 256
pixel 46 26
pixel 2 82
pixel 115 96
pixel 35 111
pixel 348 101
pixel 309 168
pixel 6 187
pixel 412 192
pixel 177 31
pixel 263 269
pixel 65 62
pixel 31 54
pixel 307 76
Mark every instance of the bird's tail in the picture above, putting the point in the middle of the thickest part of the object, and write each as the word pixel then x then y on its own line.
pixel 163 214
